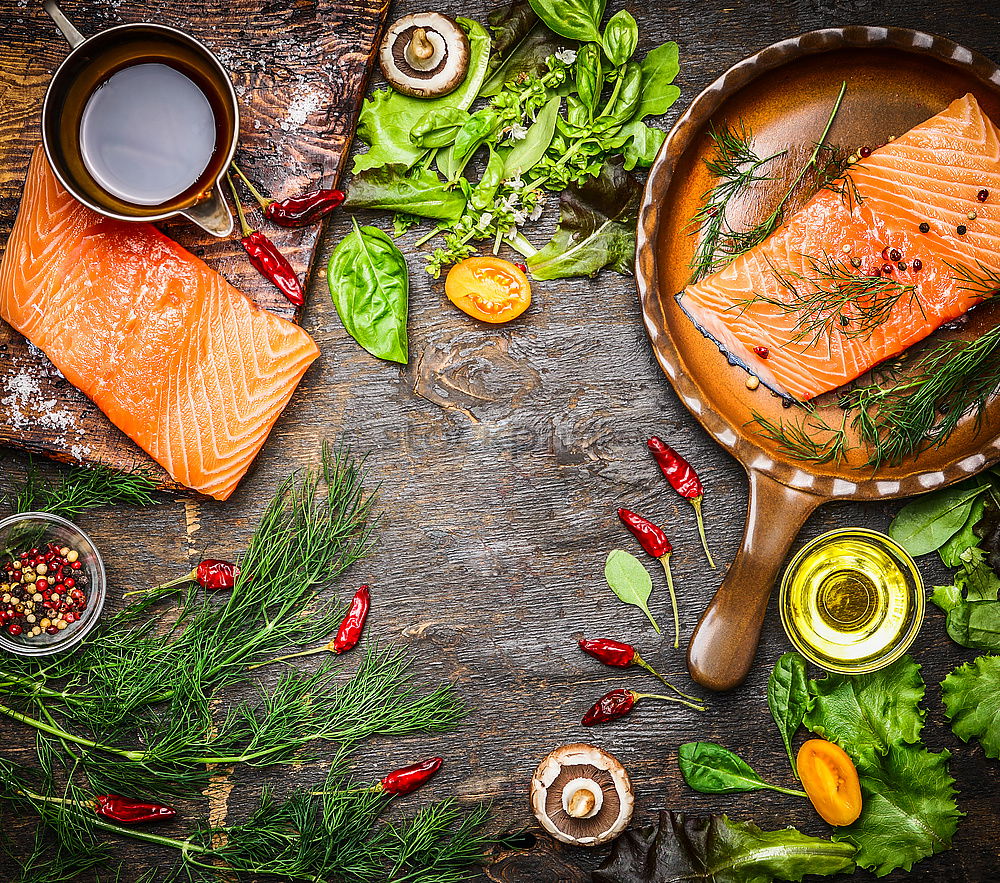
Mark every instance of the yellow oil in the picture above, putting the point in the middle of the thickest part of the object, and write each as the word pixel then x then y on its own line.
pixel 851 600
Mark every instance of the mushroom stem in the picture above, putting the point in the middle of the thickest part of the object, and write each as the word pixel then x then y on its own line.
pixel 581 803
pixel 420 47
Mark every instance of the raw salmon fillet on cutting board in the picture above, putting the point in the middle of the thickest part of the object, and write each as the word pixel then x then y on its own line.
pixel 177 358
pixel 932 175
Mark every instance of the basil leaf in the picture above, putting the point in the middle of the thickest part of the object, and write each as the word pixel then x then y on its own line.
pixel 712 769
pixel 421 193
pixel 575 19
pixel 589 76
pixel 528 152
pixel 477 130
pixel 388 117
pixel 522 45
pixel 929 522
pixel 788 699
pixel 596 228
pixel 621 36
pixel 485 190
pixel 717 849
pixel 971 696
pixel 369 285
pixel 630 581
pixel 629 96
pixel 439 127
pixel 659 68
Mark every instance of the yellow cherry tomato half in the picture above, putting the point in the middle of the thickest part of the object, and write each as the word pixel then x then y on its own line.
pixel 488 288
pixel 831 781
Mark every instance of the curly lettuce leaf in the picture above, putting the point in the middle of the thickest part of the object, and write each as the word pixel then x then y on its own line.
pixel 719 850
pixel 867 714
pixel 972 702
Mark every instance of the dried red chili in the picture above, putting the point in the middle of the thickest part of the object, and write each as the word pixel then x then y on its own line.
pixel 617 703
pixel 621 655
pixel 683 479
pixel 266 258
pixel 130 812
pixel 211 574
pixel 350 629
pixel 407 779
pixel 654 542
pixel 295 211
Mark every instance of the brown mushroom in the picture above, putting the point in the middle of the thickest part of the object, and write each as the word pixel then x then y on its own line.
pixel 425 54
pixel 582 795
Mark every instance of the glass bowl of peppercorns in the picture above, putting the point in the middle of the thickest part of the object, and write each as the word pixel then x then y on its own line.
pixel 52 584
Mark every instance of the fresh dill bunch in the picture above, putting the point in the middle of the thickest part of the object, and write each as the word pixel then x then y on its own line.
pixel 832 296
pixel 924 406
pixel 81 489
pixel 808 438
pixel 981 280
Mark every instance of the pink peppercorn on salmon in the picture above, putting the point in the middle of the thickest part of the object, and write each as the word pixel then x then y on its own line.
pixel 176 357
pixel 915 213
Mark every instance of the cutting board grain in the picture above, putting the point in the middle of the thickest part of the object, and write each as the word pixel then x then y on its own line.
pixel 299 69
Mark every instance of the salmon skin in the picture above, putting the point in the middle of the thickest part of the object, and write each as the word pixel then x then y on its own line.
pixel 754 308
pixel 178 359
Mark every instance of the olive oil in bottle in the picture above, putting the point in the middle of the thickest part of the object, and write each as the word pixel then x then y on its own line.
pixel 852 601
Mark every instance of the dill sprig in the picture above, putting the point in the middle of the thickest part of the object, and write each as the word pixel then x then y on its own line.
pixel 983 280
pixel 809 437
pixel 81 489
pixel 834 296
pixel 924 407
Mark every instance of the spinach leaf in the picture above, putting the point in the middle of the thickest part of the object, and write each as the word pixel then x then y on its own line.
pixel 369 285
pixel 717 849
pixel 951 552
pixel 929 522
pixel 621 36
pixel 630 581
pixel 521 45
pixel 712 769
pixel 972 702
pixel 639 143
pixel 388 117
pixel 596 228
pixel 527 152
pixel 788 699
pixel 976 579
pixel 439 127
pixel 659 68
pixel 973 624
pixel 575 19
pixel 421 193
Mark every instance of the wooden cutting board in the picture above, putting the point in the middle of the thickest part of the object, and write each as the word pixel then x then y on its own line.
pixel 300 71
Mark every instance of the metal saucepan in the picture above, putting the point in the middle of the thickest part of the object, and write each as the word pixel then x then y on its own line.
pixel 94 57
pixel 895 78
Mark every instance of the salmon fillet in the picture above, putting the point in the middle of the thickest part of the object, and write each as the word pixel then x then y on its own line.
pixel 754 308
pixel 178 359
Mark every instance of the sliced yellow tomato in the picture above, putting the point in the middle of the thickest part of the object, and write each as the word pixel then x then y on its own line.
pixel 831 781
pixel 488 288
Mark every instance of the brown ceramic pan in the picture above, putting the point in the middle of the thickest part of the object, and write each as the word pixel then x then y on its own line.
pixel 895 78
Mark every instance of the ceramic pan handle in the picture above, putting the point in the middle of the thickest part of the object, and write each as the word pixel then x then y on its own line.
pixel 72 35
pixel 725 640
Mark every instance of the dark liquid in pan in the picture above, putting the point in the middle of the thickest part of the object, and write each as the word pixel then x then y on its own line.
pixel 147 133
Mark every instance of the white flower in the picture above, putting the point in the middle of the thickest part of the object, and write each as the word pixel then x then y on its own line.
pixel 535 213
pixel 519 217
pixel 515 183
pixel 518 132
pixel 485 219
pixel 566 56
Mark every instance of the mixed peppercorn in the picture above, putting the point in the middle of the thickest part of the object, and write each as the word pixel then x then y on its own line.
pixel 43 591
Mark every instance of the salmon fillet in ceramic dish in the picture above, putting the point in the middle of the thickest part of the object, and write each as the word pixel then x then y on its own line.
pixel 867 268
pixel 175 356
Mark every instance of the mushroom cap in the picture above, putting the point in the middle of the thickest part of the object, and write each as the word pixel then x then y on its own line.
pixel 569 768
pixel 444 68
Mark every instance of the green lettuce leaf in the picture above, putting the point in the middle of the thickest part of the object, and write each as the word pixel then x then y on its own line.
pixel 718 850
pixel 867 714
pixel 972 701
pixel 908 809
pixel 388 117
pixel 421 193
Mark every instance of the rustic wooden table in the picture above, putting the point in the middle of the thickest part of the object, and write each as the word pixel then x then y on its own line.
pixel 502 454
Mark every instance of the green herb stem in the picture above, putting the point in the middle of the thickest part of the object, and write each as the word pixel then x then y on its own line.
pixel 677 699
pixel 69 737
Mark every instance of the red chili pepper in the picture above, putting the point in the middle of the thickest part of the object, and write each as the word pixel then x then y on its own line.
pixel 349 632
pixel 622 656
pixel 295 211
pixel 618 703
pixel 214 575
pixel 683 479
pixel 266 258
pixel 654 542
pixel 407 779
pixel 130 812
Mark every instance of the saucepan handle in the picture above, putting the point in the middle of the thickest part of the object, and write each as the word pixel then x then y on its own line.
pixel 725 640
pixel 72 35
